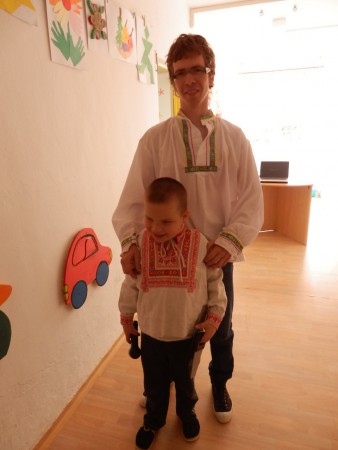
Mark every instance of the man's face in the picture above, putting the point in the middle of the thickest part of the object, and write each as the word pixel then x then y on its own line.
pixel 191 81
pixel 164 221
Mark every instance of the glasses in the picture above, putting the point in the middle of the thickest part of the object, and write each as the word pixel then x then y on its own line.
pixel 196 71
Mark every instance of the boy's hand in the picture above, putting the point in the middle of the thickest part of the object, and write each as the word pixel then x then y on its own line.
pixel 131 261
pixel 209 329
pixel 128 330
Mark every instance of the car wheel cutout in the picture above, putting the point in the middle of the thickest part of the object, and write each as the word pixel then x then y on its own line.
pixel 79 294
pixel 102 273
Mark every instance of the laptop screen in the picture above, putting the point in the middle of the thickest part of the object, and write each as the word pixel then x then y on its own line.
pixel 274 169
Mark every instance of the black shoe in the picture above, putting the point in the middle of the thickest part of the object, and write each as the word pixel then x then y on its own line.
pixel 191 429
pixel 144 438
pixel 222 403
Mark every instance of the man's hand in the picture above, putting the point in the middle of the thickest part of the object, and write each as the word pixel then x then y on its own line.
pixel 216 255
pixel 131 261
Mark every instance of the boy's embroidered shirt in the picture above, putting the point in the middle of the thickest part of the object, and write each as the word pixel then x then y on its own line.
pixel 174 287
pixel 171 264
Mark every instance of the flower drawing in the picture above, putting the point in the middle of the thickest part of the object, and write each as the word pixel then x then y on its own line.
pixel 66 29
pixel 68 12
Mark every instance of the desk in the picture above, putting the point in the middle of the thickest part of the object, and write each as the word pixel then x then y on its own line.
pixel 287 209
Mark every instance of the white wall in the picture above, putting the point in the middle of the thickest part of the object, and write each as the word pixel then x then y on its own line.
pixel 67 138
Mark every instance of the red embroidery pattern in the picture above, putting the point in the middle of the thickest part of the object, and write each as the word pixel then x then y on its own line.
pixel 174 266
pixel 126 320
pixel 215 320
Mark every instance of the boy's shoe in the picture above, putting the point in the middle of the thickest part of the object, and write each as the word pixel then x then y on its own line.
pixel 191 429
pixel 144 438
pixel 222 403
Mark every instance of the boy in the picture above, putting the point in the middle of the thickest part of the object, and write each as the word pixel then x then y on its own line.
pixel 173 289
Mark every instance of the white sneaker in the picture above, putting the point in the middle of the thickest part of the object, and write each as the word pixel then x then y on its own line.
pixel 222 403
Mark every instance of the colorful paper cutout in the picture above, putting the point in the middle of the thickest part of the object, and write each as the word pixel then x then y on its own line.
pixel 87 261
pixel 96 26
pixel 146 60
pixel 5 324
pixel 66 32
pixel 22 9
pixel 121 33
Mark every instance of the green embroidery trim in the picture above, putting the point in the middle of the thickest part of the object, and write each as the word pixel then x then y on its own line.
pixel 232 238
pixel 190 167
pixel 128 240
pixel 200 169
pixel 186 143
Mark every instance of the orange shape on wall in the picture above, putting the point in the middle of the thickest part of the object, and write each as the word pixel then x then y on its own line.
pixel 5 292
pixel 5 324
pixel 87 261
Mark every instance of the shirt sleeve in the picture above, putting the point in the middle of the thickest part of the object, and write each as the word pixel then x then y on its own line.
pixel 128 216
pixel 217 300
pixel 248 212
pixel 128 299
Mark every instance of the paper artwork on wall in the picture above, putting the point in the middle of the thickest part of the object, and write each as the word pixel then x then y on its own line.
pixel 66 32
pixel 86 262
pixel 22 9
pixel 96 21
pixel 146 59
pixel 121 33
pixel 5 324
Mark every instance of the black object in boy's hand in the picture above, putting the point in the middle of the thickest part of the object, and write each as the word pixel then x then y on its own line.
pixel 134 351
pixel 197 352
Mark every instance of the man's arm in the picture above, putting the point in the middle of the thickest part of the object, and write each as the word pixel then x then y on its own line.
pixel 128 217
pixel 131 261
pixel 247 213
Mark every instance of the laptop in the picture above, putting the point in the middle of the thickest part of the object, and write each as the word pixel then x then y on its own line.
pixel 274 172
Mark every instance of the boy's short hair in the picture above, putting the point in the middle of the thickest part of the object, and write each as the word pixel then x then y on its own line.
pixel 190 44
pixel 164 189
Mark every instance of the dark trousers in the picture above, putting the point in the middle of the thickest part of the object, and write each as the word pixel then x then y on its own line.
pixel 222 361
pixel 164 362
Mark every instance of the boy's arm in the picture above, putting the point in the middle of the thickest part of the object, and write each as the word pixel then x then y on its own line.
pixel 128 306
pixel 217 302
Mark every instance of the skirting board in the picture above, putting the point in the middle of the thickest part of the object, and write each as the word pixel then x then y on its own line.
pixel 73 404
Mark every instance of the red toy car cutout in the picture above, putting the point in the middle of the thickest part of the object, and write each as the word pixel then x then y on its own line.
pixel 87 261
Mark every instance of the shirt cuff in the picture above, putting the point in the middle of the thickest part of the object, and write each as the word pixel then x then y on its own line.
pixel 214 319
pixel 230 243
pixel 126 320
pixel 128 242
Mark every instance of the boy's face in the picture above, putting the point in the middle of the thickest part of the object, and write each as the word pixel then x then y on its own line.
pixel 164 220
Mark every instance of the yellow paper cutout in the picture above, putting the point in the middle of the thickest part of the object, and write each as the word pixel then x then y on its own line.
pixel 12 5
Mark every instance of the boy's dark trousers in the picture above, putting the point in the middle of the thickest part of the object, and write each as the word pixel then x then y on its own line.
pixel 164 362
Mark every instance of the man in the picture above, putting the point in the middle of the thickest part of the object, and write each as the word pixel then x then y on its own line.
pixel 213 160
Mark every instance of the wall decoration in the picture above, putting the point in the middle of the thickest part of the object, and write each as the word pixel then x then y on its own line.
pixel 87 261
pixel 146 58
pixel 5 324
pixel 66 32
pixel 121 33
pixel 22 9
pixel 96 26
